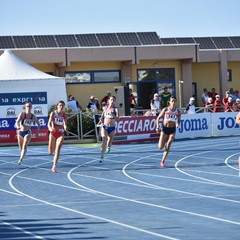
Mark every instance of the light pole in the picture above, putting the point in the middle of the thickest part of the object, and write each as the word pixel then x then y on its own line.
pixel 180 82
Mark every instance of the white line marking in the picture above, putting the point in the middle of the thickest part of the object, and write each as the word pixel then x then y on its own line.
pixel 21 230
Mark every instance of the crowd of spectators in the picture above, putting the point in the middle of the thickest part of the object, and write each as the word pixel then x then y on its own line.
pixel 212 101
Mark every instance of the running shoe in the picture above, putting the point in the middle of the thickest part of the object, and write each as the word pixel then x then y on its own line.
pixel 54 169
pixel 162 164
pixel 107 150
pixel 101 160
pixel 19 161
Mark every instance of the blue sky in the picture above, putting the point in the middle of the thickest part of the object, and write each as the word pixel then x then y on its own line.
pixel 169 18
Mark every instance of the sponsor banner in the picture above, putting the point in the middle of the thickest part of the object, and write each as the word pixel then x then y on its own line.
pixel 9 123
pixel 136 129
pixel 11 104
pixel 21 98
pixel 10 136
pixel 135 125
pixel 143 129
pixel 224 124
pixel 194 125
pixel 12 111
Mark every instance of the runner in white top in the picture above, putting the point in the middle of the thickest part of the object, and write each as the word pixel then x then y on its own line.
pixel 171 120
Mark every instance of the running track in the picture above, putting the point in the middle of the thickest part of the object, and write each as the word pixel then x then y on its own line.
pixel 128 196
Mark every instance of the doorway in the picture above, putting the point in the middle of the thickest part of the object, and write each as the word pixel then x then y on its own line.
pixel 145 93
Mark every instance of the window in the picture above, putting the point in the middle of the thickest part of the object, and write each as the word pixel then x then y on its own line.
pixel 103 76
pixel 229 75
pixel 78 77
pixel 165 74
pixel 146 74
pixel 93 77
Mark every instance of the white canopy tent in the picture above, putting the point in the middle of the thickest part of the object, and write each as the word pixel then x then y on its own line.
pixel 18 76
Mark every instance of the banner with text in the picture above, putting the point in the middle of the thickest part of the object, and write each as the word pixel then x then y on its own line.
pixel 143 129
pixel 11 104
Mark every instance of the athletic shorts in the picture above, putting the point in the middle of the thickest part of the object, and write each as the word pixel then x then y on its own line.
pixel 168 130
pixel 109 129
pixel 57 133
pixel 24 133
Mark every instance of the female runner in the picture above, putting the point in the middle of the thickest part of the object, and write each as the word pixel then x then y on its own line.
pixel 171 120
pixel 57 125
pixel 23 125
pixel 108 118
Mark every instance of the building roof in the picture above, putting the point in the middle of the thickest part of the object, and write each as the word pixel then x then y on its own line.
pixel 113 39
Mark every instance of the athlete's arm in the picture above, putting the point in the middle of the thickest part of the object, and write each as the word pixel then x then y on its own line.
pixel 238 118
pixel 117 115
pixel 50 122
pixel 179 118
pixel 161 115
pixel 17 125
pixel 37 122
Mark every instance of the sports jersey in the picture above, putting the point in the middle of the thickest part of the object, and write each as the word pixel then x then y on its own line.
pixel 26 121
pixel 58 120
pixel 109 113
pixel 171 116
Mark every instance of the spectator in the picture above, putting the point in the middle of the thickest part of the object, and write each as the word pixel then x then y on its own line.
pixel 104 101
pixel 218 107
pixel 229 105
pixel 236 105
pixel 225 99
pixel 155 105
pixel 97 104
pixel 236 96
pixel 92 105
pixel 73 104
pixel 164 97
pixel 213 94
pixel 190 108
pixel 209 105
pixel 231 93
pixel 133 102
pixel 204 97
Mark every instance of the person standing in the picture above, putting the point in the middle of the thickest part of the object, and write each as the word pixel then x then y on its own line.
pixel 72 104
pixel 155 105
pixel 229 105
pixel 190 108
pixel 218 104
pixel 23 125
pixel 57 125
pixel 108 120
pixel 204 97
pixel 164 97
pixel 171 120
pixel 92 105
pixel 104 100
pixel 132 99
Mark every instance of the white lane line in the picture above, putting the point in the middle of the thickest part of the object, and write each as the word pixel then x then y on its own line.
pixel 86 214
pixel 197 177
pixel 151 204
pixel 21 230
pixel 228 158
pixel 3 190
pixel 185 179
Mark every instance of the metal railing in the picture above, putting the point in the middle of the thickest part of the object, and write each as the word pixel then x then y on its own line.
pixel 84 124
